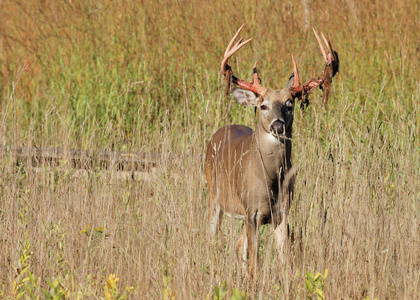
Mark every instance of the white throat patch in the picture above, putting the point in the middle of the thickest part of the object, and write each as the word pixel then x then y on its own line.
pixel 270 138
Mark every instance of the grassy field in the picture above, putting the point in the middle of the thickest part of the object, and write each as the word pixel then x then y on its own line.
pixel 143 76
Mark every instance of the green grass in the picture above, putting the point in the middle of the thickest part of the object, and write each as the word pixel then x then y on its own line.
pixel 143 77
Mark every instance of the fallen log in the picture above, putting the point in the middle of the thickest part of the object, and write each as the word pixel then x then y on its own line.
pixel 81 159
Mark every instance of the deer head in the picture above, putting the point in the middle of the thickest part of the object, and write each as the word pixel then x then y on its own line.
pixel 276 106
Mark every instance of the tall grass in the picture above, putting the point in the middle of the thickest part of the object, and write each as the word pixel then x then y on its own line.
pixel 143 76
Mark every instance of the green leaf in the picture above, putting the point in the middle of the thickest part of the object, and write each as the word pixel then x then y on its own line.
pixel 216 292
pixel 31 277
pixel 20 295
pixel 235 294
pixel 320 293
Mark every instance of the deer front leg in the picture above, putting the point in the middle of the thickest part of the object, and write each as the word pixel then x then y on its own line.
pixel 242 249
pixel 282 239
pixel 281 214
pixel 280 221
pixel 253 236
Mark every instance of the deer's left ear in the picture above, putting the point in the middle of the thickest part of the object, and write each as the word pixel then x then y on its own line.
pixel 245 97
pixel 290 82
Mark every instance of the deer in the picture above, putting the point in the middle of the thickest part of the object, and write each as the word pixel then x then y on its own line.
pixel 249 172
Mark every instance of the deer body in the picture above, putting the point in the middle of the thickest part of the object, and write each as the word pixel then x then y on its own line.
pixel 249 173
pixel 246 169
pixel 250 176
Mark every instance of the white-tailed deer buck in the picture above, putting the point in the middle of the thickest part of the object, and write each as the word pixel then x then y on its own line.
pixel 249 173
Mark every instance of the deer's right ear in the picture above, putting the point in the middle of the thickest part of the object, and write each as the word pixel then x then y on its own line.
pixel 245 97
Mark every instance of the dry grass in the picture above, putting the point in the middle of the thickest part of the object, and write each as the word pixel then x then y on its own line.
pixel 99 74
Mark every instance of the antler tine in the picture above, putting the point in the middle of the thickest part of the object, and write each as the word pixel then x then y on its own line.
pixel 296 81
pixel 233 39
pixel 324 54
pixel 228 54
pixel 327 43
pixel 238 42
pixel 334 54
pixel 255 78
pixel 255 73
pixel 237 47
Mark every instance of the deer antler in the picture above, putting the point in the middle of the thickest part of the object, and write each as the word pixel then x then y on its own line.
pixel 231 49
pixel 324 80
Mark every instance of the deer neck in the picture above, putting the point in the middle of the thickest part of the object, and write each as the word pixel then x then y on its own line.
pixel 273 153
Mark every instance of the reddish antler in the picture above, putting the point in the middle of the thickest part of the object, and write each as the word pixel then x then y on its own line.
pixel 325 79
pixel 255 85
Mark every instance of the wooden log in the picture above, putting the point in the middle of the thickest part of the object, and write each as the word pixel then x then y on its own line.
pixel 82 159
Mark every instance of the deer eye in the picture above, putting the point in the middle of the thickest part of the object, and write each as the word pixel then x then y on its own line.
pixel 263 107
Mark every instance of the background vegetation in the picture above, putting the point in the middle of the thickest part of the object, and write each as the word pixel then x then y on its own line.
pixel 143 76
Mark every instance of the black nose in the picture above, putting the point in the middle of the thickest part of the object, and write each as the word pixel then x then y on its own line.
pixel 277 127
